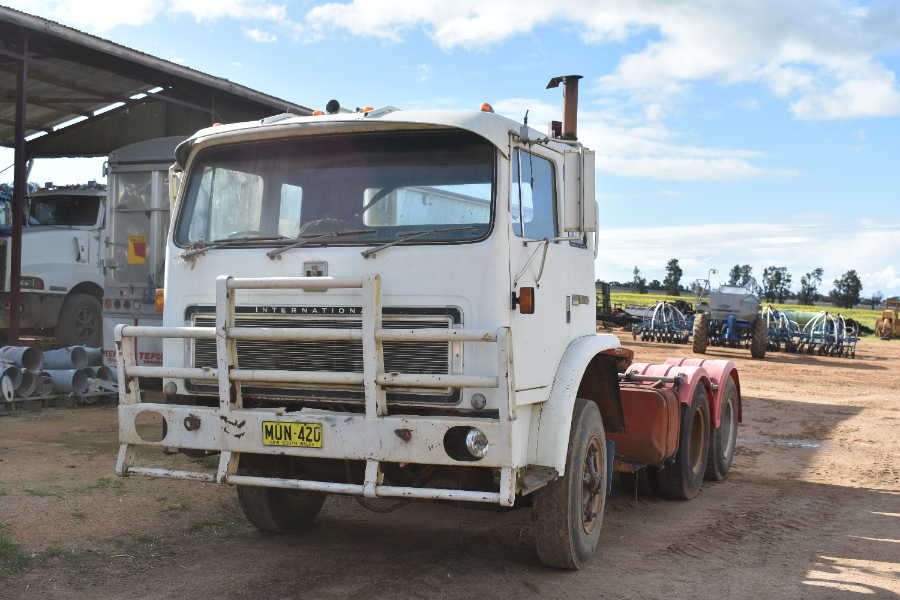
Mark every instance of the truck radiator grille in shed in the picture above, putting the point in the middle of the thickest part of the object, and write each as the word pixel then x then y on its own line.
pixel 403 357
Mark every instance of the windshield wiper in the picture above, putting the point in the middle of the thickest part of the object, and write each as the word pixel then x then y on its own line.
pixel 412 235
pixel 223 243
pixel 318 237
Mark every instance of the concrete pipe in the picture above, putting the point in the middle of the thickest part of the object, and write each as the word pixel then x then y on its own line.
pixel 26 387
pixel 73 357
pixel 69 380
pixel 13 373
pixel 6 389
pixel 24 357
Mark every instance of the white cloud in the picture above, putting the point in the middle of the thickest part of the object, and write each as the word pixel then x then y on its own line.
pixel 818 54
pixel 261 37
pixel 631 148
pixel 801 243
pixel 97 16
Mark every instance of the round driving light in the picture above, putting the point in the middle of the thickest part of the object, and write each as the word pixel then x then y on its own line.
pixel 478 401
pixel 136 305
pixel 170 389
pixel 477 443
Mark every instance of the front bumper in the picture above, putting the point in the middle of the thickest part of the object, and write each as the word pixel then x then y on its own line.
pixel 372 436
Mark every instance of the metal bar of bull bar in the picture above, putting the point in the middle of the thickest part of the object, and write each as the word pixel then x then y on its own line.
pixel 374 379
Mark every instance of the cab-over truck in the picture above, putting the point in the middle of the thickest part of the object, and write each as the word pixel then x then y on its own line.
pixel 399 305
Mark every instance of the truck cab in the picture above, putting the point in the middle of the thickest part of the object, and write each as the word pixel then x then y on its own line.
pixel 61 282
pixel 399 305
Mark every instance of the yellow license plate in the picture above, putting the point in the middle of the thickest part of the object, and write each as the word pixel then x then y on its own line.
pixel 305 435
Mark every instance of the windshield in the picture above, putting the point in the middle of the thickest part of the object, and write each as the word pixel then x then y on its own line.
pixel 383 184
pixel 64 210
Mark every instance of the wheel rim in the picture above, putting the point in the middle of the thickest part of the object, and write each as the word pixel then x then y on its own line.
pixel 728 427
pixel 592 486
pixel 698 440
pixel 85 325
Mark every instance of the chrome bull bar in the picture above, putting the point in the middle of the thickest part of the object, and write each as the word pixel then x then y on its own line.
pixel 371 436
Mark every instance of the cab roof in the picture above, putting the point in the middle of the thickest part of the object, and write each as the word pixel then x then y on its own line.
pixel 492 127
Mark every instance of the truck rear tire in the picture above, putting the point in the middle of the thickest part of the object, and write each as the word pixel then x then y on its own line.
pixel 682 478
pixel 759 335
pixel 276 509
pixel 701 333
pixel 568 512
pixel 80 322
pixel 722 439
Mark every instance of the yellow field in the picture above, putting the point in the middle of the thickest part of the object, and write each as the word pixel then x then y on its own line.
pixel 864 316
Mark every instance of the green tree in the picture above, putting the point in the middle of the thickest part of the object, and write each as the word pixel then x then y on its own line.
pixel 776 283
pixel 876 299
pixel 809 286
pixel 746 274
pixel 734 276
pixel 846 290
pixel 740 274
pixel 673 278
pixel 638 284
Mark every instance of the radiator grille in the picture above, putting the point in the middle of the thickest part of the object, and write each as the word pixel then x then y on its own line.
pixel 403 357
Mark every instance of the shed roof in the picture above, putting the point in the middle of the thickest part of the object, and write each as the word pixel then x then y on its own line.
pixel 73 74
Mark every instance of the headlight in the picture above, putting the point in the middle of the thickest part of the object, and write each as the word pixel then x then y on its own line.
pixel 477 443
pixel 31 283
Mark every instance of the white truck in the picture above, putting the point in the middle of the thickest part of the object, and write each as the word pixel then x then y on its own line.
pixel 61 282
pixel 399 305
pixel 134 259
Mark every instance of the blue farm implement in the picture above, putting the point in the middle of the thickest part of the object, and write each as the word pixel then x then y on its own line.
pixel 663 322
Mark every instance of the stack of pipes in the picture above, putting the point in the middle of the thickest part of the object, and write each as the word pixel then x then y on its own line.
pixel 26 372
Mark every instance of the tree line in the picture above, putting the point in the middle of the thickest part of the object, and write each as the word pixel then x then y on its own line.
pixel 775 285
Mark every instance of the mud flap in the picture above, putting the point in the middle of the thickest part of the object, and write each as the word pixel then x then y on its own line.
pixel 610 459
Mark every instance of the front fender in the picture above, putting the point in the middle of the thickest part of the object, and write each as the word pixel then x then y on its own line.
pixel 555 420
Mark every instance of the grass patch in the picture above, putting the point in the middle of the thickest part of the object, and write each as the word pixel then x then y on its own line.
pixel 78 514
pixel 103 483
pixel 228 525
pixel 40 493
pixel 71 554
pixel 12 559
pixel 208 462
pixel 3 492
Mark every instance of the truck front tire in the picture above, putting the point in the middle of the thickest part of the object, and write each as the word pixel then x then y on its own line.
pixel 80 322
pixel 682 478
pixel 568 512
pixel 276 509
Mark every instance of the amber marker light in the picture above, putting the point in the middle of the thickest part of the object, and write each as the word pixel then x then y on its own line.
pixel 160 299
pixel 368 108
pixel 317 113
pixel 487 108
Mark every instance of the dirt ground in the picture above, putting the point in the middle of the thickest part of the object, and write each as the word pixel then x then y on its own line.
pixel 811 509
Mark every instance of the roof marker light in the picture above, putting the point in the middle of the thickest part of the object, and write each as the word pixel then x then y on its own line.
pixel 487 108
pixel 317 113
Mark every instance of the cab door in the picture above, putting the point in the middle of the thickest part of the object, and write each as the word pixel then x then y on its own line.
pixel 538 260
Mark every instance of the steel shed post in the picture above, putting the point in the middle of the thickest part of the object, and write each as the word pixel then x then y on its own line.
pixel 20 186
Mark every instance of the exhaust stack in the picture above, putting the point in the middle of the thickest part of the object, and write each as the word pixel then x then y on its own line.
pixel 568 129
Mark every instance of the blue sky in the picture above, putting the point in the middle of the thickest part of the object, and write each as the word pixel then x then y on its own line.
pixel 753 131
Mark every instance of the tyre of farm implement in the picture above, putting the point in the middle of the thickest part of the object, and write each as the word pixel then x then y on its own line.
pixel 275 509
pixel 79 322
pixel 723 438
pixel 759 335
pixel 568 512
pixel 701 333
pixel 682 478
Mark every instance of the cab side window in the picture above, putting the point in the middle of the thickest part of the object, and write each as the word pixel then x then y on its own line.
pixel 533 196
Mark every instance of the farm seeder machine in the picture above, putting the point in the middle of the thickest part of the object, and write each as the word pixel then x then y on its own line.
pixel 733 317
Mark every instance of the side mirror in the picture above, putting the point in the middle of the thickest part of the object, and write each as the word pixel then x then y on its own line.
pixel 579 206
